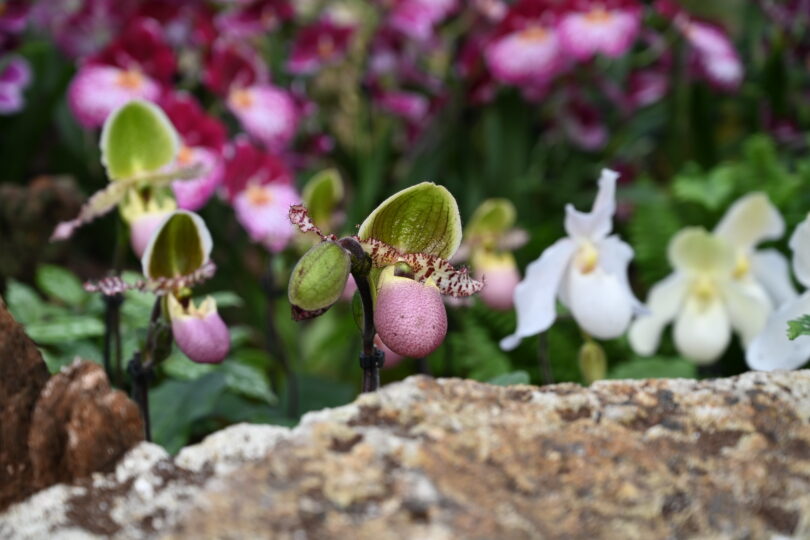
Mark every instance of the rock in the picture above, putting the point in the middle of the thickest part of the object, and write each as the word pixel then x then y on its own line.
pixel 80 425
pixel 23 374
pixel 436 459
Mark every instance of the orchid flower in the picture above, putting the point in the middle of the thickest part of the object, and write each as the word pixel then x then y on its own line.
pixel 771 349
pixel 599 30
pixel 267 112
pixel 586 271
pixel 97 90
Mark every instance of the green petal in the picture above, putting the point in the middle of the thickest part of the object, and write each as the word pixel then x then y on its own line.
pixel 180 246
pixel 137 139
pixel 322 195
pixel 695 250
pixel 319 277
pixel 420 219
pixel 491 219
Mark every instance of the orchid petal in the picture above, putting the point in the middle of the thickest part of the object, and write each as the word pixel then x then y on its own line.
pixel 702 330
pixel 748 308
pixel 615 256
pixel 770 268
pixel 697 251
pixel 599 302
pixel 664 302
pixel 99 204
pixel 771 349
pixel 750 220
pixel 535 295
pixel 800 244
pixel 597 223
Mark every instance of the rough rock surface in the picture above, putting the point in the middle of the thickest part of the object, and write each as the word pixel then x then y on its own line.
pixel 80 425
pixel 435 459
pixel 23 374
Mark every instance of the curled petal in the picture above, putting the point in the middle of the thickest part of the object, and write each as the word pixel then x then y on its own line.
pixel 702 330
pixel 770 268
pixel 99 204
pixel 599 302
pixel 800 244
pixel 664 302
pixel 598 222
pixel 535 296
pixel 749 221
pixel 113 285
pixel 771 349
pixel 448 279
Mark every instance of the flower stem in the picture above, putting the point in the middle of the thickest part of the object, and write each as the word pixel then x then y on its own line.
pixel 371 358
pixel 141 374
pixel 274 345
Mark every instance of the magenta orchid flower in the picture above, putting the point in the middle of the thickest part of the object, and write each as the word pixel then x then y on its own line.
pixel 263 211
pixel 141 46
pixel 714 56
pixel 14 78
pixel 232 64
pixel 317 45
pixel 600 29
pixel 254 17
pixel 267 113
pixel 98 90
pixel 417 18
pixel 527 57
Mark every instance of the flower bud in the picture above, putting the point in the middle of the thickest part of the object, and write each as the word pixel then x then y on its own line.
pixel 319 277
pixel 500 275
pixel 199 331
pixel 592 362
pixel 409 316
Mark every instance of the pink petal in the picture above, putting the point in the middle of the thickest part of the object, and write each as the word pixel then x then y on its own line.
pixel 96 91
pixel 267 113
pixel 193 194
pixel 610 33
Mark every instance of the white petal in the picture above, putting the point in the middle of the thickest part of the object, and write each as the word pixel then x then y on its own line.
pixel 800 244
pixel 749 221
pixel 597 223
pixel 614 258
pixel 535 295
pixel 748 307
pixel 702 330
pixel 599 302
pixel 770 269
pixel 772 349
pixel 664 302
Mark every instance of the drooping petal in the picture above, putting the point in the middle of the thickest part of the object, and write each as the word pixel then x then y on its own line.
pixel 771 349
pixel 750 220
pixel 702 329
pixel 770 268
pixel 615 256
pixel 597 223
pixel 99 204
pixel 748 307
pixel 536 295
pixel 800 245
pixel 664 302
pixel 599 302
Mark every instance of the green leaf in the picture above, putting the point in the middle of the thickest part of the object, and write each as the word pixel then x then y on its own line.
pixel 227 299
pixel 65 329
pixel 316 393
pixel 654 368
pixel 23 302
pixel 322 195
pixel 175 405
pixel 711 191
pixel 420 219
pixel 137 139
pixel 182 245
pixel 61 284
pixel 493 217
pixel 507 379
pixel 178 366
pixel 319 277
pixel 248 381
pixel 799 327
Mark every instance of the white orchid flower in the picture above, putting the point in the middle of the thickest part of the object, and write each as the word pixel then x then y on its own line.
pixel 586 271
pixel 749 221
pixel 772 349
pixel 704 299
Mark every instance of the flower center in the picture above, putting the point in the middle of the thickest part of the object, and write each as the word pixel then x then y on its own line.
pixel 587 258
pixel 742 267
pixel 534 33
pixel 598 15
pixel 241 98
pixel 259 195
pixel 130 79
pixel 703 288
pixel 326 47
pixel 184 155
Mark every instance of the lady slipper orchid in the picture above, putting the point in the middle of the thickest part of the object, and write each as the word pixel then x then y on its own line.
pixel 500 275
pixel 771 349
pixel 704 299
pixel 199 331
pixel 144 217
pixel 587 272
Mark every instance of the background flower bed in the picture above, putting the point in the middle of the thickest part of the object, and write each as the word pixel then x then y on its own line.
pixel 696 104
